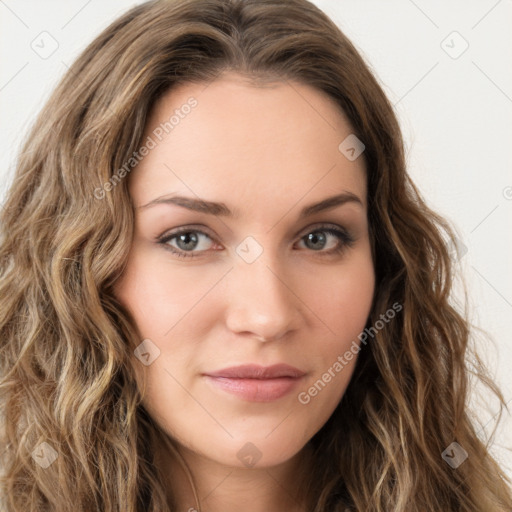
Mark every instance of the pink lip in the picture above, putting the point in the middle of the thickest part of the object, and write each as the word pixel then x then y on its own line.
pixel 257 383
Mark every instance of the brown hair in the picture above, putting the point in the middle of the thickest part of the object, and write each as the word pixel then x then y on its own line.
pixel 66 345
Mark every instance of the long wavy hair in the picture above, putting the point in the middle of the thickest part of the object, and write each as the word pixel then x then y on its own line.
pixel 67 368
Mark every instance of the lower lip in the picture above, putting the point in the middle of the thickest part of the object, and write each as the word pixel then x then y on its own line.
pixel 256 390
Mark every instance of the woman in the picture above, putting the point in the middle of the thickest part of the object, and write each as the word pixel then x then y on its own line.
pixel 221 289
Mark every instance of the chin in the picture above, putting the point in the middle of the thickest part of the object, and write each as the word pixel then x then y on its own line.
pixel 256 451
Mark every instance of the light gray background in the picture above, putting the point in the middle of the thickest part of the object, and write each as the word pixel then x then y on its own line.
pixel 455 108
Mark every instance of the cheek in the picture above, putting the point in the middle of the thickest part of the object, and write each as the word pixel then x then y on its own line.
pixel 347 305
pixel 160 294
pixel 334 355
pixel 342 300
pixel 343 311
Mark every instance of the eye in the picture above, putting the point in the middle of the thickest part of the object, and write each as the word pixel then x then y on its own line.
pixel 318 239
pixel 186 242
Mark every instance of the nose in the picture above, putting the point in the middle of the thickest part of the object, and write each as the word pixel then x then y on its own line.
pixel 262 303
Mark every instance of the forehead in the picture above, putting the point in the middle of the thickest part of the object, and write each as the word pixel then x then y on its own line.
pixel 244 145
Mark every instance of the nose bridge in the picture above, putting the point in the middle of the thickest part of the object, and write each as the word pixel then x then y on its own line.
pixel 261 301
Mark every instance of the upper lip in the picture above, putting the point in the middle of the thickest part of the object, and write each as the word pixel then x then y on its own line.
pixel 254 371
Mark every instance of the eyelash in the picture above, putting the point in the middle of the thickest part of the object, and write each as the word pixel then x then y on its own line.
pixel 343 236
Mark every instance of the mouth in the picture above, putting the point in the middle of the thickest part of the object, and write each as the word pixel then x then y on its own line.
pixel 255 383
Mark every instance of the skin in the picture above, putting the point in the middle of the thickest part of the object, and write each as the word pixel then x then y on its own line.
pixel 266 152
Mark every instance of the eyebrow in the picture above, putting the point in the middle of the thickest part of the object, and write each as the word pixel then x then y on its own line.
pixel 220 209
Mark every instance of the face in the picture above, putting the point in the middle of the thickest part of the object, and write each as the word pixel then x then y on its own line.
pixel 261 280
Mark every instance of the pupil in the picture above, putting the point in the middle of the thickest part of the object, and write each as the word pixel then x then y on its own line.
pixel 186 237
pixel 315 237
